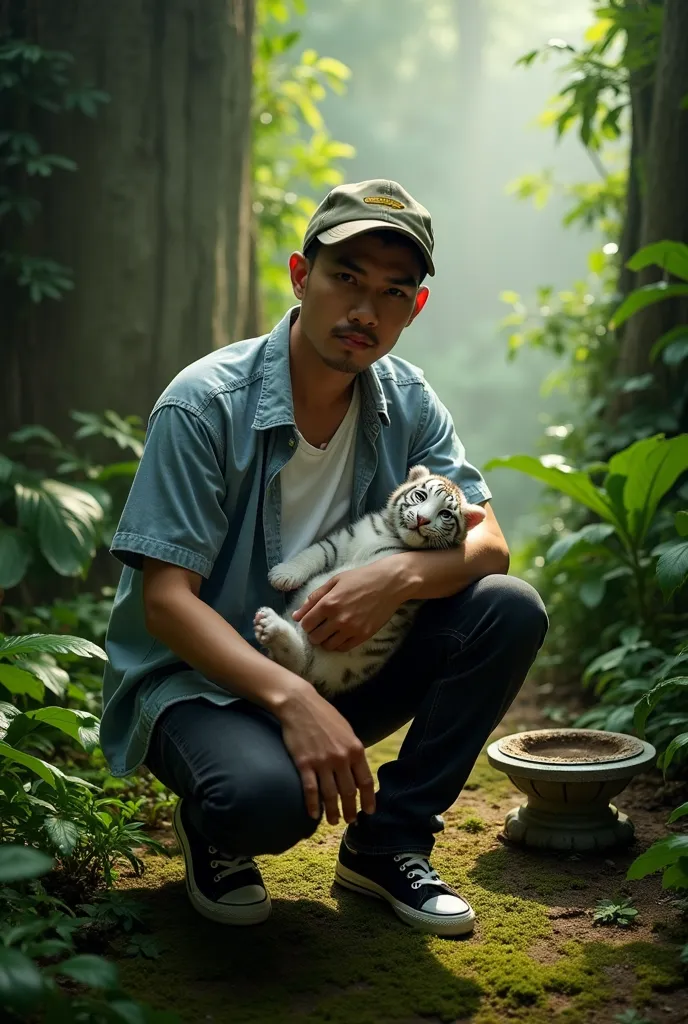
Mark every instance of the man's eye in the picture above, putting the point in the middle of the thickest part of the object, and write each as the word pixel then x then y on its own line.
pixel 346 278
pixel 396 293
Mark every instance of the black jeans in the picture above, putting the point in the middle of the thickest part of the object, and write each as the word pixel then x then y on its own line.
pixel 455 676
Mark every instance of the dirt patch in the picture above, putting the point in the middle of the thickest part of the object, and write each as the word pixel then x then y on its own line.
pixel 328 956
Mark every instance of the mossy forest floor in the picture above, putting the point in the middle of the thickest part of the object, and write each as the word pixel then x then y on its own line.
pixel 329 955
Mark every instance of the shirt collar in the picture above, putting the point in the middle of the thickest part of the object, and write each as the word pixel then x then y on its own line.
pixel 275 405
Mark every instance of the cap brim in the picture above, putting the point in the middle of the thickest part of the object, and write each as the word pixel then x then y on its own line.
pixel 340 232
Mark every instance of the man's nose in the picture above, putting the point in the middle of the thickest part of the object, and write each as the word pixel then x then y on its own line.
pixel 364 314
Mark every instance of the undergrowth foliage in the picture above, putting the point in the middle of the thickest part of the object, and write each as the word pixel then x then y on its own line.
pixel 611 554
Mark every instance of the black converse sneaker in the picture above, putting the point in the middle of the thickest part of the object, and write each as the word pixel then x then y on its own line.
pixel 226 889
pixel 408 882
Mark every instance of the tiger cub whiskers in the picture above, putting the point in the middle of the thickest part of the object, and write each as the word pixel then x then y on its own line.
pixel 426 511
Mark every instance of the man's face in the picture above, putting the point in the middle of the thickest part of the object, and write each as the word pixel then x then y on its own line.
pixel 356 298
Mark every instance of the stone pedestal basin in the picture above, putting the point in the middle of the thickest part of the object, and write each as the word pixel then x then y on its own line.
pixel 569 776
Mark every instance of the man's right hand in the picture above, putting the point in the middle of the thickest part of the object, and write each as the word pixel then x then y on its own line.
pixel 329 756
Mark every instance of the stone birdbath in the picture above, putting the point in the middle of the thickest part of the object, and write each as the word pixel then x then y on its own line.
pixel 569 776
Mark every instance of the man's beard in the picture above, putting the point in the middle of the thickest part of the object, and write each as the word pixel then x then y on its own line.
pixel 343 365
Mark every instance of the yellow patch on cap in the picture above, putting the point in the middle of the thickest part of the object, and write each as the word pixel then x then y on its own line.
pixel 383 201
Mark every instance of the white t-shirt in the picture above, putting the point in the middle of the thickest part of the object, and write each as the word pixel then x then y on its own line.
pixel 316 486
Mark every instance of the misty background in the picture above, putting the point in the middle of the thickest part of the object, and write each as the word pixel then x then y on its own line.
pixel 436 102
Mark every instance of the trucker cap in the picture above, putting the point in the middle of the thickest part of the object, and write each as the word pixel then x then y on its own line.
pixel 350 210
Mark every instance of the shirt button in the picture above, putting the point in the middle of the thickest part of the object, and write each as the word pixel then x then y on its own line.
pixel 292 442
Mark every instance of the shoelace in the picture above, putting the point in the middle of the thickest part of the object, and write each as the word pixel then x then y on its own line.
pixel 420 869
pixel 230 864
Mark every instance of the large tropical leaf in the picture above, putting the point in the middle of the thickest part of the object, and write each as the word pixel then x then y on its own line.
pixel 676 336
pixel 662 853
pixel 18 863
pixel 672 567
pixel 670 256
pixel 80 725
pixel 21 982
pixel 15 555
pixel 62 832
pixel 48 772
pixel 63 518
pixel 591 535
pixel 51 643
pixel 45 668
pixel 650 468
pixel 20 682
pixel 559 476
pixel 648 295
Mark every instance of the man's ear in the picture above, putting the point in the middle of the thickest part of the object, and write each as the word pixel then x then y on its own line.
pixel 299 268
pixel 421 298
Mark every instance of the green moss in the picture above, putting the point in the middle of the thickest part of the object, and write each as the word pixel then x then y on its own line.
pixel 472 824
pixel 329 955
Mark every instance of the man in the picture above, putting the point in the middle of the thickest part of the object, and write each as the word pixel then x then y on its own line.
pixel 257 450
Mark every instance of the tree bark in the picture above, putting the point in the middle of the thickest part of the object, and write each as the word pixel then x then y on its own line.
pixel 156 221
pixel 665 195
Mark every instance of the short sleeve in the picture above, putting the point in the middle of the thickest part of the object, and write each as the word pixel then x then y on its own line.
pixel 174 510
pixel 437 446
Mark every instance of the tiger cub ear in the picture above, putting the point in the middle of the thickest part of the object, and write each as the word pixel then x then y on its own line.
pixel 473 514
pixel 418 473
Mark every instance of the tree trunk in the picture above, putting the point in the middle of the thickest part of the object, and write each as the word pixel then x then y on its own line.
pixel 156 221
pixel 665 195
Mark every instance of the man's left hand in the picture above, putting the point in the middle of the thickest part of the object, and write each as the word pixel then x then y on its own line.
pixel 352 606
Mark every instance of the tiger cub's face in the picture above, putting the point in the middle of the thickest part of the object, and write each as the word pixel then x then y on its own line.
pixel 429 511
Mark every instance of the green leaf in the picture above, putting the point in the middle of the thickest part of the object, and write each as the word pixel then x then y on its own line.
pixel 44 668
pixel 80 725
pixel 675 334
pixel 648 295
pixel 19 682
pixel 660 855
pixel 50 643
pixel 672 568
pixel 47 772
pixel 19 863
pixel 21 984
pixel 62 832
pixel 676 744
pixel 676 875
pixel 64 519
pixel 15 556
pixel 670 256
pixel 559 476
pixel 681 523
pixel 651 467
pixel 591 592
pixel 650 701
pixel 594 533
pixel 678 812
pixel 88 970
pixel 8 712
pixel 34 431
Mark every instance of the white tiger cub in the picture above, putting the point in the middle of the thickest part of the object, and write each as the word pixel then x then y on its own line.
pixel 426 511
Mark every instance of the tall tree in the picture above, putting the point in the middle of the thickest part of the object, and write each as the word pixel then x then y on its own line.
pixel 660 158
pixel 155 223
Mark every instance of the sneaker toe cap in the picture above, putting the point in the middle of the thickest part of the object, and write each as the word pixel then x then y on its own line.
pixel 446 904
pixel 244 896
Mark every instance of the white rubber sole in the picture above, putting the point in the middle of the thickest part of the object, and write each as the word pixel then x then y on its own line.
pixel 221 913
pixel 432 924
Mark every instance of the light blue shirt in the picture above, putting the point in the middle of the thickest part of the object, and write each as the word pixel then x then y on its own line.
pixel 206 496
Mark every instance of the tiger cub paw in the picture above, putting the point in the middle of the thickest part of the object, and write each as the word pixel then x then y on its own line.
pixel 283 577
